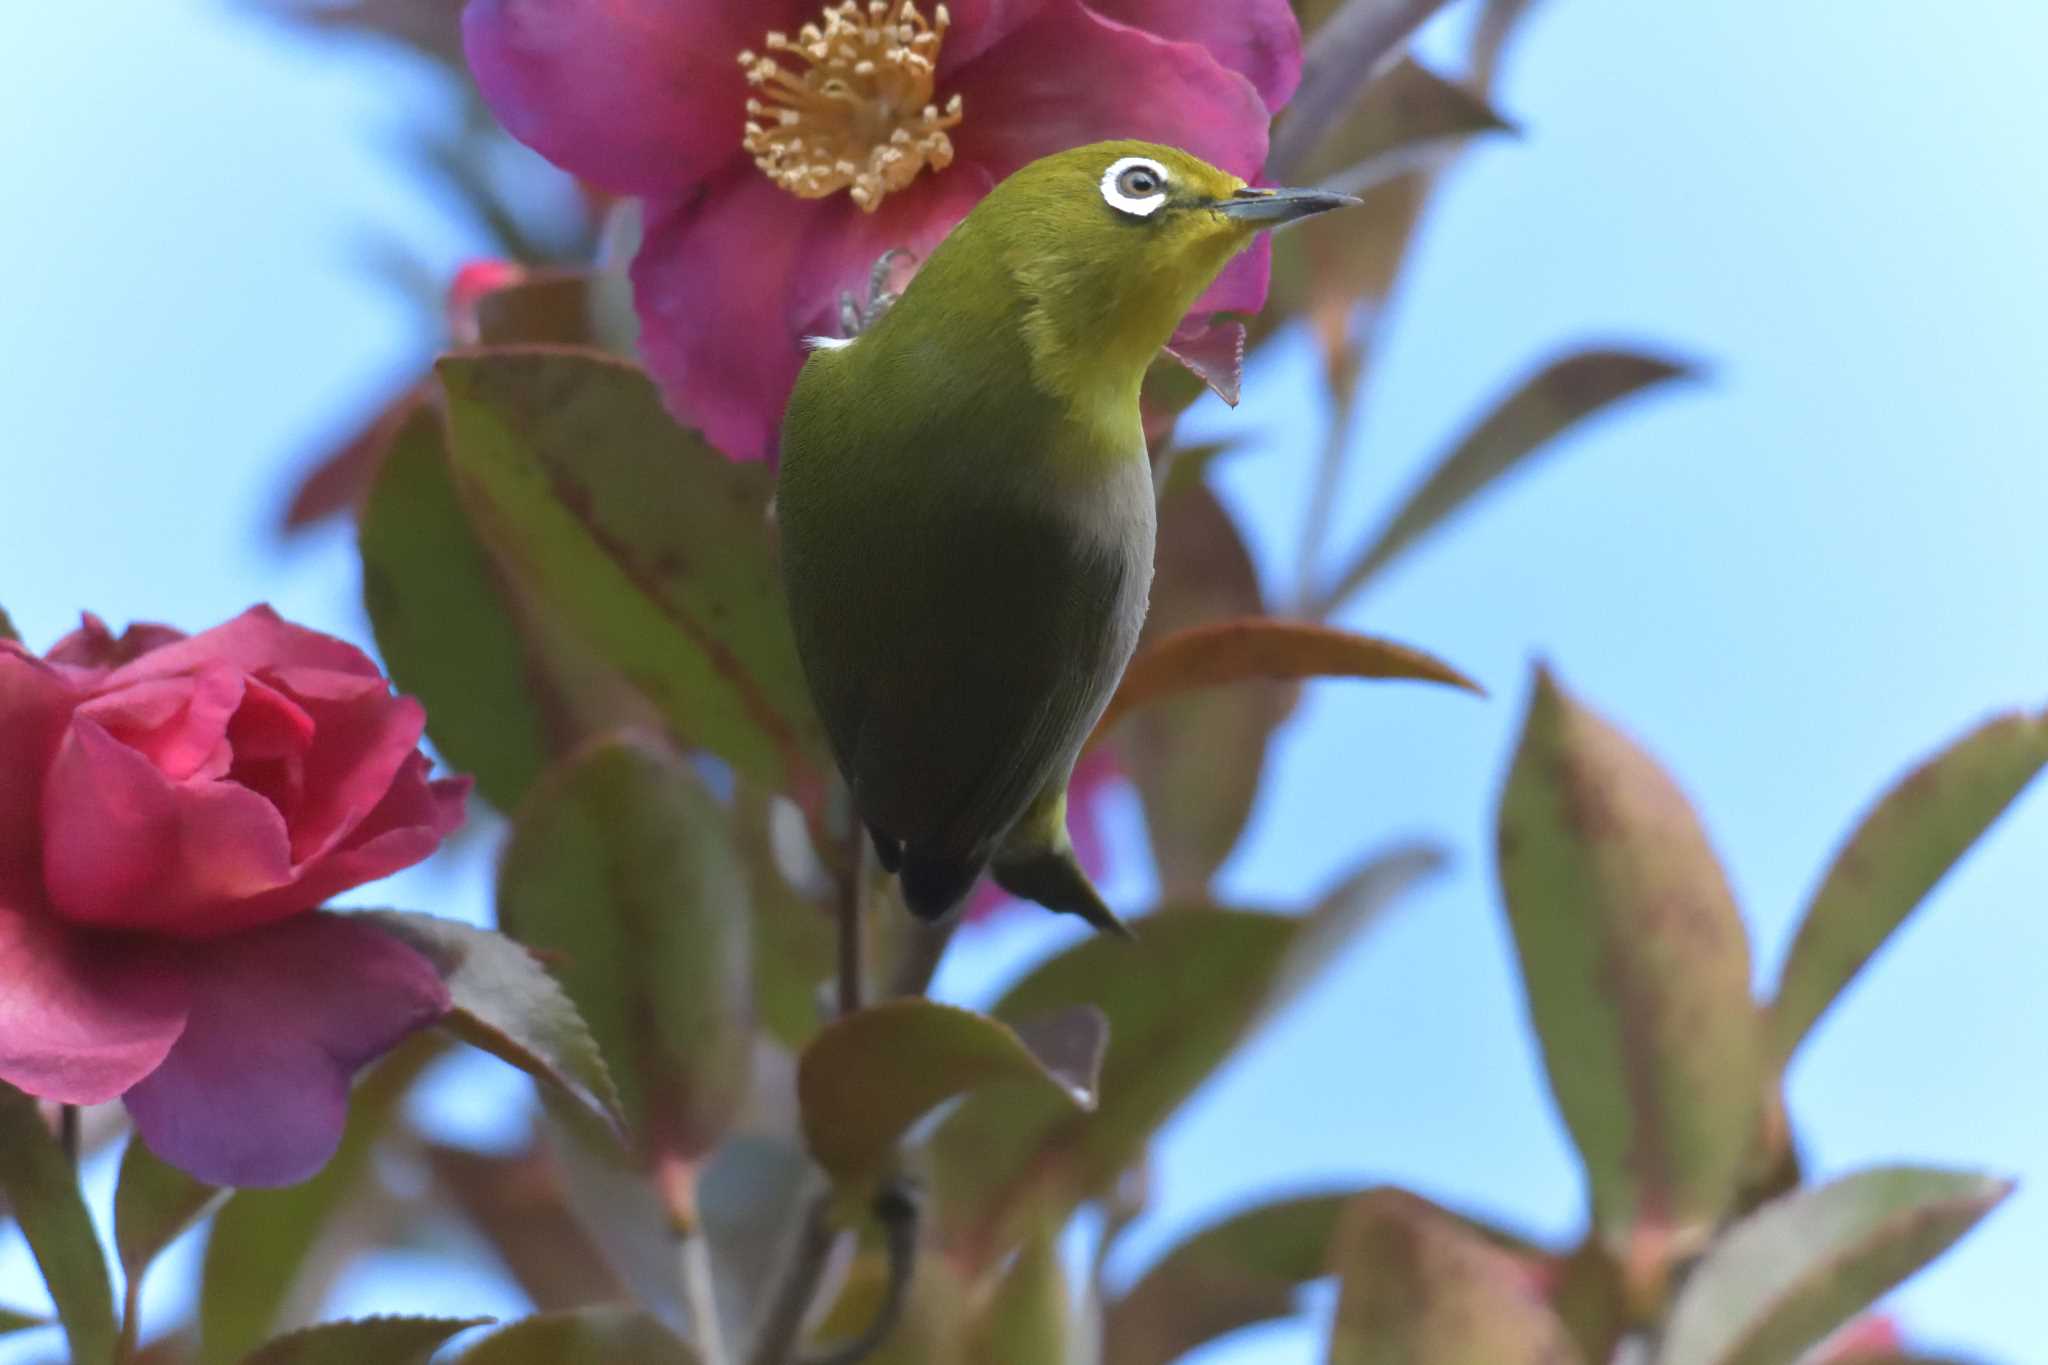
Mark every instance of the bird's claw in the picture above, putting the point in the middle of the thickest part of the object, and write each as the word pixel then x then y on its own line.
pixel 856 315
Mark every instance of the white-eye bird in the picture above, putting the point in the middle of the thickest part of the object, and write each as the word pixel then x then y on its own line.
pixel 967 514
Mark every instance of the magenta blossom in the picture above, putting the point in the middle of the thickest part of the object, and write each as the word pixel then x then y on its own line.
pixel 781 147
pixel 173 811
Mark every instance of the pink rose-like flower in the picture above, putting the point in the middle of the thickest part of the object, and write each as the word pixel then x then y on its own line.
pixel 173 810
pixel 782 146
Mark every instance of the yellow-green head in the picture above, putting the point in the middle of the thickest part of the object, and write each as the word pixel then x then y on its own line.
pixel 1107 246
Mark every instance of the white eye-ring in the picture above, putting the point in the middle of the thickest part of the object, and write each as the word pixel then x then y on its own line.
pixel 1135 185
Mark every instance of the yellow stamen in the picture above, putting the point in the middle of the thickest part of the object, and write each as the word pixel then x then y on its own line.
pixel 861 116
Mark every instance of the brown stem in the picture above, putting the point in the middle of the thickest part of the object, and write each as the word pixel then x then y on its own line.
pixel 853 885
pixel 782 1323
pixel 896 1210
pixel 1344 372
pixel 67 1132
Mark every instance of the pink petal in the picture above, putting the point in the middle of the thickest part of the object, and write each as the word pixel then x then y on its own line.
pixel 124 847
pixel 635 96
pixel 179 724
pixel 1258 39
pixel 1212 352
pixel 842 244
pixel 255 1091
pixel 411 821
pixel 257 639
pixel 709 282
pixel 1241 288
pixel 728 284
pixel 93 646
pixel 84 1016
pixel 1070 77
pixel 360 744
pixel 978 25
pixel 34 701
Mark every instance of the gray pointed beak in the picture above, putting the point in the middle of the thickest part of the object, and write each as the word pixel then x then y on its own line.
pixel 1271 208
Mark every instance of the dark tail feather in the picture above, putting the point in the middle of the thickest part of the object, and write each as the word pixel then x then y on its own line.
pixel 888 851
pixel 932 886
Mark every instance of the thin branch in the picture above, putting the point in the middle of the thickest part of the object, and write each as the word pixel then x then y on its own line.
pixel 853 887
pixel 701 1295
pixel 67 1132
pixel 783 1321
pixel 923 947
pixel 896 1210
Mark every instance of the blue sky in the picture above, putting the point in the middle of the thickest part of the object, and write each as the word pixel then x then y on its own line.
pixel 1789 581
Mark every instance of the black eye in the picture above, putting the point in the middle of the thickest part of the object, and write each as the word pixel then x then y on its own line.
pixel 1139 182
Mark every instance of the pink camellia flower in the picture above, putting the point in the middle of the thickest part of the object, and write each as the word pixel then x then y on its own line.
pixel 782 147
pixel 173 810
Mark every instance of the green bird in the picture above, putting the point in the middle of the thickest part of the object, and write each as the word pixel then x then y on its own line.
pixel 967 510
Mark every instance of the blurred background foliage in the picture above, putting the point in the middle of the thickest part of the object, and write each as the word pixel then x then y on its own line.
pixel 520 618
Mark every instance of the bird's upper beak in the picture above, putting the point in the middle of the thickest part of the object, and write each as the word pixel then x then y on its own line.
pixel 1271 208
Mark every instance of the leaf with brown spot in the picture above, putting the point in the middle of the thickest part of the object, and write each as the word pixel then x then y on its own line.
pixel 1636 967
pixel 1416 1285
pixel 652 545
pixel 436 603
pixel 1269 648
pixel 1798 1268
pixel 867 1078
pixel 1560 396
pixel 1900 852
pixel 621 866
pixel 1179 1004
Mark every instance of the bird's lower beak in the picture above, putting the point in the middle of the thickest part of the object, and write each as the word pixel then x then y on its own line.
pixel 1271 208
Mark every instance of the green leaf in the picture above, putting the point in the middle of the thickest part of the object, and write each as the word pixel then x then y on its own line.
pixel 1802 1266
pixel 437 604
pixel 620 1208
pixel 1636 966
pixel 7 630
pixel 1417 1286
pixel 42 1191
pixel 1179 1004
pixel 262 1239
pixel 387 1341
pixel 868 1077
pixel 1247 1269
pixel 592 1336
pixel 1899 853
pixel 1027 1319
pixel 1197 760
pixel 1406 120
pixel 154 1202
pixel 1262 647
pixel 1243 1270
pixel 1563 394
pixel 1337 61
pixel 621 866
pixel 13 1320
pixel 793 934
pixel 505 1003
pixel 654 546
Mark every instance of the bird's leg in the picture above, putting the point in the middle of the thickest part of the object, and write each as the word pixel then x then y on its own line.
pixel 856 315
